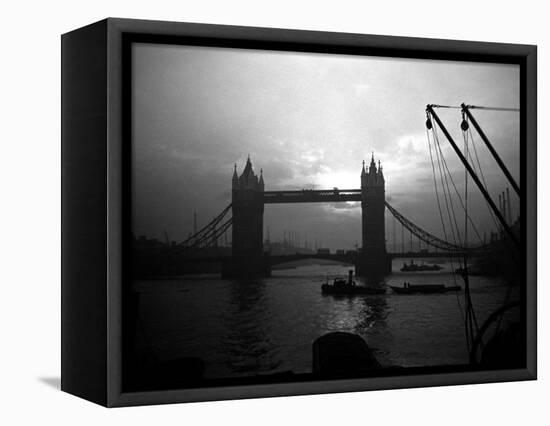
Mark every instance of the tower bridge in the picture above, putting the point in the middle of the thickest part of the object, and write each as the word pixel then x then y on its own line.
pixel 249 198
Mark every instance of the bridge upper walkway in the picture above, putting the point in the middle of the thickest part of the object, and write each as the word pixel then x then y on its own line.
pixel 312 196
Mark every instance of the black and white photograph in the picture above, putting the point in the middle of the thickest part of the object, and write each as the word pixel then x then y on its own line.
pixel 275 213
pixel 302 216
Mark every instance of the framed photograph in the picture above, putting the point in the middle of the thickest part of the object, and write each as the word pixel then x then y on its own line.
pixel 252 212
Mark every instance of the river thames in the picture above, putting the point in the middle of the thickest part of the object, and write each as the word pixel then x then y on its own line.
pixel 266 326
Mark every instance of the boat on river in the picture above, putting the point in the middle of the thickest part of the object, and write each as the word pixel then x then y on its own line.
pixel 424 288
pixel 414 267
pixel 342 287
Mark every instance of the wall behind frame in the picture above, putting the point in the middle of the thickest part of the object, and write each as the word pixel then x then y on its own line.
pixel 30 173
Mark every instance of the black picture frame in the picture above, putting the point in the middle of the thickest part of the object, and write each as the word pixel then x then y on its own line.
pixel 95 213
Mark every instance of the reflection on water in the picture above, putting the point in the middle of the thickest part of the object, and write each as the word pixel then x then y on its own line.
pixel 244 328
pixel 373 313
pixel 248 343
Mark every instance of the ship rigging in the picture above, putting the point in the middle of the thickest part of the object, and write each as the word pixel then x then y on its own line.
pixel 446 195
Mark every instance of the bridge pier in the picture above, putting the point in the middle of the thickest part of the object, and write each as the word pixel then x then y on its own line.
pixel 246 267
pixel 374 264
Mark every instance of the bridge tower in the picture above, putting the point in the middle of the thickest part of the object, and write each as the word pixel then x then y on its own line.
pixel 248 259
pixel 373 260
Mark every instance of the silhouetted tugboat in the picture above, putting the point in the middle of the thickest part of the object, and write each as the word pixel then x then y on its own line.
pixel 341 287
pixel 413 267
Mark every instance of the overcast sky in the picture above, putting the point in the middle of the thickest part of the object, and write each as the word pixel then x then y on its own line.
pixel 307 120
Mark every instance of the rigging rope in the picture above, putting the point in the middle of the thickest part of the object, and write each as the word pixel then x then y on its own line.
pixel 470 313
pixel 469 317
pixel 492 108
pixel 443 225
pixel 495 221
pixel 446 168
pixel 435 186
pixel 446 190
pixel 487 108
pixel 460 309
pixel 484 182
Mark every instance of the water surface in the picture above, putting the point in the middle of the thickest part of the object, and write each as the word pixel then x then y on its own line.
pixel 245 328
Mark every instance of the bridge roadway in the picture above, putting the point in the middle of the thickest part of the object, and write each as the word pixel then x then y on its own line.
pixel 348 258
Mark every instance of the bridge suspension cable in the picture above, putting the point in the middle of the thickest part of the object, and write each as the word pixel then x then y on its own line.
pixel 209 234
pixel 423 235
pixel 209 238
